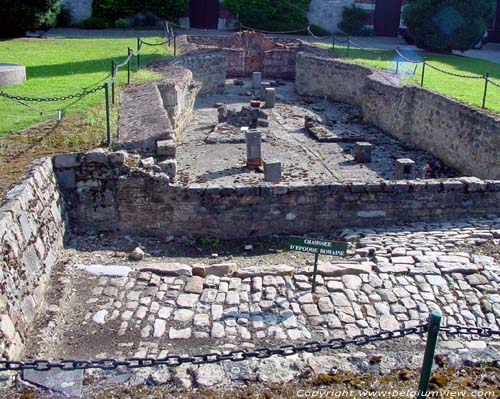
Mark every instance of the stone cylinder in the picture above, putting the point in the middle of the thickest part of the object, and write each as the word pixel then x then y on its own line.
pixel 11 74
pixel 272 171
pixel 256 80
pixel 270 97
pixel 363 152
pixel 253 139
pixel 263 87
pixel 404 169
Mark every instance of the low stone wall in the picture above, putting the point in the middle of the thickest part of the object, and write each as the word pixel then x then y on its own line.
pixel 32 229
pixel 207 66
pixel 144 203
pixel 464 137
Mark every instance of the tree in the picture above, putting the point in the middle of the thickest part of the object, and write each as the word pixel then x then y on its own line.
pixel 445 25
pixel 19 16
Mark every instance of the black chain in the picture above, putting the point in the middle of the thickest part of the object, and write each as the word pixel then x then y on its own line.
pixel 209 358
pixel 407 59
pixel 457 75
pixel 455 329
pixel 154 44
pixel 494 83
pixel 52 99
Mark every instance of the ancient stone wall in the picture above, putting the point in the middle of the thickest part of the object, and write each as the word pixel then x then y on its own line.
pixel 145 203
pixel 32 229
pixel 208 66
pixel 464 137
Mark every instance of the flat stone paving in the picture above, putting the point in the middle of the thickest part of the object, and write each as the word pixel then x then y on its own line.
pixel 393 279
pixel 303 158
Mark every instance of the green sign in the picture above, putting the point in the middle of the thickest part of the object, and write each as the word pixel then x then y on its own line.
pixel 316 246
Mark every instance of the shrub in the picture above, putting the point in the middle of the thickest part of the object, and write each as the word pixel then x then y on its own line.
pixel 276 16
pixel 19 16
pixel 354 20
pixel 445 25
pixel 93 23
pixel 122 24
pixel 111 10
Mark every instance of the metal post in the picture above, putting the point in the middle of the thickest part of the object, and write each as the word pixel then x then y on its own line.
pixel 128 65
pixel 432 336
pixel 315 272
pixel 108 123
pixel 175 45
pixel 333 42
pixel 113 81
pixel 138 52
pixel 486 78
pixel 348 47
pixel 397 64
pixel 423 75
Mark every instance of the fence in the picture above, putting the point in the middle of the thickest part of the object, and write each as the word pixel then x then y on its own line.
pixel 432 329
pixel 168 35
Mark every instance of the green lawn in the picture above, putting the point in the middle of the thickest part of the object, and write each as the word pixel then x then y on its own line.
pixel 58 67
pixel 466 90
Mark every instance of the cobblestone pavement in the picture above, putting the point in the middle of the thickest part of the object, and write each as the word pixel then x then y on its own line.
pixel 394 278
pixel 303 158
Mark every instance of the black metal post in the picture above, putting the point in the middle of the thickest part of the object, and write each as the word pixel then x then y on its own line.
pixel 397 64
pixel 348 47
pixel 138 52
pixel 113 81
pixel 486 79
pixel 333 42
pixel 128 65
pixel 108 123
pixel 175 45
pixel 423 75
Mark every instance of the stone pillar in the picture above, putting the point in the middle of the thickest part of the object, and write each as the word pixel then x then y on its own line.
pixel 404 169
pixel 222 110
pixel 253 139
pixel 272 171
pixel 270 97
pixel 263 87
pixel 363 152
pixel 256 80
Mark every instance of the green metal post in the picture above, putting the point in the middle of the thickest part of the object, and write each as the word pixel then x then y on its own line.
pixel 430 347
pixel 486 79
pixel 315 272
pixel 113 65
pixel 423 75
pixel 108 123
pixel 397 64
pixel 138 52
pixel 175 45
pixel 128 65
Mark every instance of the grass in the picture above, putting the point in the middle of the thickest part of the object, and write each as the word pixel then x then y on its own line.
pixel 58 67
pixel 469 91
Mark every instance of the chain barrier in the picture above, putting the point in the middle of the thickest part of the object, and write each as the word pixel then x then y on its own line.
pixel 51 99
pixel 494 83
pixel 455 329
pixel 457 75
pixel 406 58
pixel 237 355
pixel 154 44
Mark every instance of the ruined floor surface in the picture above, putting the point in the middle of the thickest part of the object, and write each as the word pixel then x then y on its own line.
pixel 303 158
pixel 392 279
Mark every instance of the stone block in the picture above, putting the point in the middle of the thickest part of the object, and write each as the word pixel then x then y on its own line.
pixel 219 269
pixel 253 139
pixel 118 157
pixel 66 179
pixel 270 97
pixel 99 155
pixel 169 167
pixel 166 148
pixel 68 160
pixel 363 152
pixel 272 171
pixel 404 169
pixel 256 80
pixel 147 163
pixel 263 87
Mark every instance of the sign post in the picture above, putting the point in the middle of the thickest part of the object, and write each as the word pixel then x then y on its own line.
pixel 317 247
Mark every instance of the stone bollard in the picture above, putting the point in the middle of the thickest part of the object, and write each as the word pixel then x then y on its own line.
pixel 404 169
pixel 222 116
pixel 363 152
pixel 270 97
pixel 256 80
pixel 253 139
pixel 263 87
pixel 272 171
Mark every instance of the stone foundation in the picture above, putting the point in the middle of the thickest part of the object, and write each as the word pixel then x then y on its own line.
pixel 463 137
